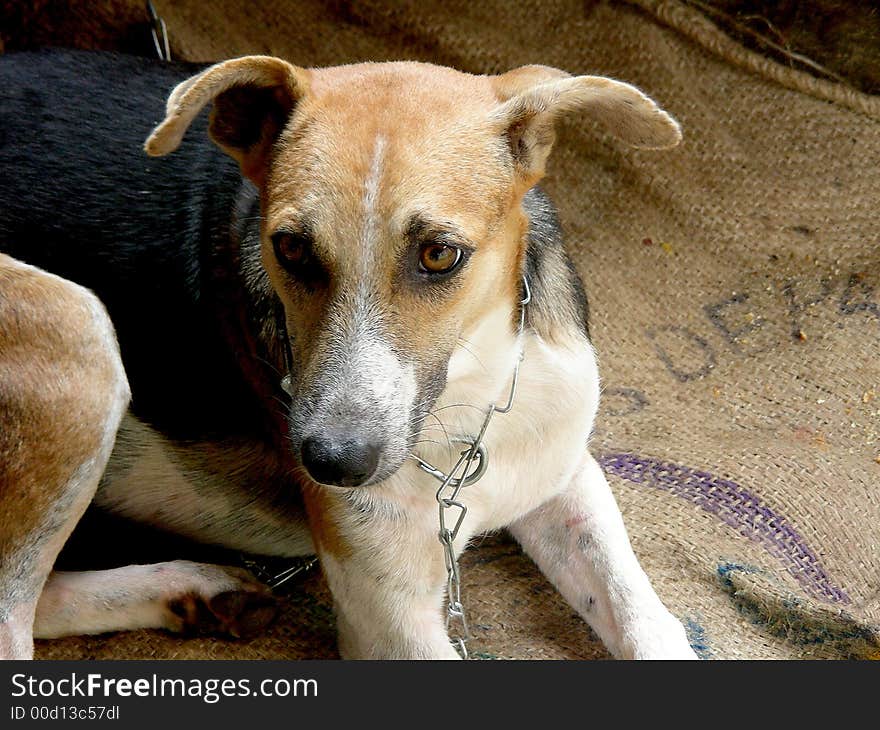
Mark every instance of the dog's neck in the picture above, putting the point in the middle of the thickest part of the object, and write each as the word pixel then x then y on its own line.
pixel 247 306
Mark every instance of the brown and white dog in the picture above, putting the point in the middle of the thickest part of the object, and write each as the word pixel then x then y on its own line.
pixel 388 213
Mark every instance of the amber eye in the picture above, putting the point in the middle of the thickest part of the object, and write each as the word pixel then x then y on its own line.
pixel 439 258
pixel 291 249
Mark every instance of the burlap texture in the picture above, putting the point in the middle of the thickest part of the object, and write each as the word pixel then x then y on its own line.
pixel 733 284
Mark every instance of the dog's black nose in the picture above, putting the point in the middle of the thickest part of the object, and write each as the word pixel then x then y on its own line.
pixel 345 464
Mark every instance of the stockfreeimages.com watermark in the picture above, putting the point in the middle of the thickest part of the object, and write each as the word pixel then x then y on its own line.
pixel 210 690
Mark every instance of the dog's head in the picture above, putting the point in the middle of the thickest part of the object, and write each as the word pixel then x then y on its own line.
pixel 392 222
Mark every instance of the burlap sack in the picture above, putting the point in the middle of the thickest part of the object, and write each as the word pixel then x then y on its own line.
pixel 733 284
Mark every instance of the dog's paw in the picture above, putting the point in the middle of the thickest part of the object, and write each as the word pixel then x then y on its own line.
pixel 214 599
pixel 661 637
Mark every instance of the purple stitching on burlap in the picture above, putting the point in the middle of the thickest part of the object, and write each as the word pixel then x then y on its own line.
pixel 737 507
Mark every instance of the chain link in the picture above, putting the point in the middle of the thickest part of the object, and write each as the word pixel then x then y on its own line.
pixel 275 572
pixel 159 31
pixel 460 476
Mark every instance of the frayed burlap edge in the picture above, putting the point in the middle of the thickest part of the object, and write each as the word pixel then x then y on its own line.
pixel 698 28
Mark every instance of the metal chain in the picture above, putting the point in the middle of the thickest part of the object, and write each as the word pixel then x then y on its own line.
pixel 159 31
pixel 276 572
pixel 451 484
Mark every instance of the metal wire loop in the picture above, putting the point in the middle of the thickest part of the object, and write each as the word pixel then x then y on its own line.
pixel 463 474
pixel 159 31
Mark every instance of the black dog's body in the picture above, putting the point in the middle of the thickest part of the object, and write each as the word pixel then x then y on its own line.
pixel 171 246
pixel 154 240
pixel 82 200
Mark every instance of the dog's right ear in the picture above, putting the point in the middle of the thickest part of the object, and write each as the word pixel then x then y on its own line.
pixel 534 97
pixel 253 97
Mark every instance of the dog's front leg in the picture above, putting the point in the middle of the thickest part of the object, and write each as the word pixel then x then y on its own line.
pixel 579 541
pixel 385 570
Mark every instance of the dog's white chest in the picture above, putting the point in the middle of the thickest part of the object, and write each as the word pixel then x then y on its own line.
pixel 532 450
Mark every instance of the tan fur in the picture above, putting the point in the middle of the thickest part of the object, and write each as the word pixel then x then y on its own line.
pixel 62 393
pixel 324 508
pixel 49 350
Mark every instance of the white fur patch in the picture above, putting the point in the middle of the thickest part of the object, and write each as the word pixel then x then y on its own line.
pixel 372 222
pixel 145 482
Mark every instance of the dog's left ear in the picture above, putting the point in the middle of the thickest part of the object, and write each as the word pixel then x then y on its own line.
pixel 253 97
pixel 533 97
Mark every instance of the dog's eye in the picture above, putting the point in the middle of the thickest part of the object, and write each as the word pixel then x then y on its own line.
pixel 291 249
pixel 439 258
